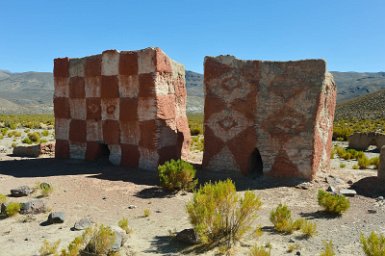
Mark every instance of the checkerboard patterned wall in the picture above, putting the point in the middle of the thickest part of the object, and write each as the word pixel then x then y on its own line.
pixel 133 102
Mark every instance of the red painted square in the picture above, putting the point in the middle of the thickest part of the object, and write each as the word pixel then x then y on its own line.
pixel 78 131
pixel 62 149
pixel 111 132
pixel 61 67
pixel 128 109
pixel 163 63
pixel 166 106
pixel 147 85
pixel 93 108
pixel 61 107
pixel 94 151
pixel 93 66
pixel 130 155
pixel 148 134
pixel 77 89
pixel 128 63
pixel 110 87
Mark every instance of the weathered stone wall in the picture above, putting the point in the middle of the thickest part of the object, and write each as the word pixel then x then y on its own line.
pixel 278 112
pixel 361 141
pixel 132 101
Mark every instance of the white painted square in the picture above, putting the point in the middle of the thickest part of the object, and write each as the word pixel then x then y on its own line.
pixel 62 128
pixel 164 85
pixel 78 150
pixel 76 67
pixel 146 61
pixel 148 159
pixel 146 109
pixel 115 156
pixel 78 109
pixel 110 109
pixel 110 63
pixel 92 86
pixel 61 87
pixel 129 86
pixel 94 131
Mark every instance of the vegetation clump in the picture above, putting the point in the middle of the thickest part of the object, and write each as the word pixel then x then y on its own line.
pixel 49 248
pixel 373 245
pixel 219 215
pixel 123 224
pixel 333 203
pixel 12 208
pixel 3 198
pixel 328 249
pixel 177 175
pixel 259 251
pixel 281 219
pixel 34 137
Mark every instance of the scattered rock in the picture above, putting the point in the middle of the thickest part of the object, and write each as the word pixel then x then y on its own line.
pixel 56 217
pixel 187 236
pixel 331 189
pixel 33 207
pixel 35 150
pixel 21 191
pixel 120 238
pixel 83 224
pixel 348 192
pixel 372 211
pixel 380 198
pixel 350 182
pixel 3 149
pixel 305 185
pixel 131 206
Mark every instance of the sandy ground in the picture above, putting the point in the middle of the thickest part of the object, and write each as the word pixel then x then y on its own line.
pixel 104 193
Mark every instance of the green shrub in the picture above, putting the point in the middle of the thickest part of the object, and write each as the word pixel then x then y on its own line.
pixel 292 247
pixel 355 167
pixel 49 249
pixel 26 141
pixel 375 161
pixel 12 209
pixel 333 203
pixel 1 136
pixel 373 245
pixel 219 214
pixel 42 141
pixel 328 249
pixel 27 130
pixel 3 198
pixel 15 134
pixel 177 175
pixel 259 251
pixel 34 136
pixel 45 133
pixel 197 143
pixel 123 224
pixel 101 241
pixel 308 228
pixel 342 165
pixel 14 145
pixel 363 162
pixel 3 131
pixel 146 213
pixel 45 189
pixel 281 219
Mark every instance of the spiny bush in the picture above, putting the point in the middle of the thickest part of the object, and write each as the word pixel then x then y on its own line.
pixel 123 224
pixel 101 241
pixel 45 133
pixel 375 161
pixel 292 247
pixel 328 249
pixel 219 214
pixel 363 162
pixel 26 141
pixel 308 228
pixel 333 203
pixel 197 143
pixel 177 175
pixel 281 219
pixel 373 245
pixel 3 198
pixel 342 165
pixel 3 131
pixel 146 213
pixel 27 121
pixel 259 251
pixel 45 189
pixel 34 136
pixel 355 167
pixel 12 209
pixel 49 249
pixel 14 134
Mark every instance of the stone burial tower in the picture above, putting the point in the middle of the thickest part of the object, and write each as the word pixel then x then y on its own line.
pixel 264 117
pixel 128 105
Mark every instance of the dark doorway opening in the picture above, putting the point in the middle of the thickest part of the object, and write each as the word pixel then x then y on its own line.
pixel 255 164
pixel 104 151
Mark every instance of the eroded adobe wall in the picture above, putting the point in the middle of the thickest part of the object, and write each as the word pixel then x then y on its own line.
pixel 281 112
pixel 133 102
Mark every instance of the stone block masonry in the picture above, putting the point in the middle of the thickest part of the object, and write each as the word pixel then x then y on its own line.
pixel 129 105
pixel 273 118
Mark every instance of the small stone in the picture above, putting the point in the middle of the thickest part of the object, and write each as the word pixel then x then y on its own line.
pixel 131 206
pixel 380 198
pixel 298 253
pixel 331 189
pixel 56 217
pixel 33 207
pixel 120 238
pixel 104 198
pixel 83 224
pixel 187 236
pixel 21 191
pixel 350 182
pixel 348 192
pixel 372 211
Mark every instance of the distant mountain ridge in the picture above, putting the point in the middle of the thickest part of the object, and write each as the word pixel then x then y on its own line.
pixel 32 92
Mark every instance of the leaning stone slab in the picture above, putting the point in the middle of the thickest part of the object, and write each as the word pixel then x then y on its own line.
pixel 348 192
pixel 21 191
pixel 56 217
pixel 35 150
pixel 33 207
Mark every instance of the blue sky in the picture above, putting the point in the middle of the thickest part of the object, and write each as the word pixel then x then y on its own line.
pixel 349 34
